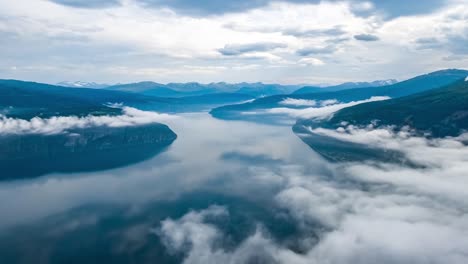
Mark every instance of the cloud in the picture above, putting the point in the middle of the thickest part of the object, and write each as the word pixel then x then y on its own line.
pixel 198 240
pixel 190 231
pixel 428 43
pixel 88 3
pixel 189 39
pixel 304 102
pixel 386 138
pixel 212 7
pixel 363 212
pixel 298 102
pixel 60 124
pixel 316 50
pixel 398 8
pixel 332 32
pixel 311 61
pixel 326 109
pixel 366 37
pixel 238 49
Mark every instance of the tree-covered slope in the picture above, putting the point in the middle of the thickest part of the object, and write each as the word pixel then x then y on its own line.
pixel 412 86
pixel 28 99
pixel 442 112
pixel 78 147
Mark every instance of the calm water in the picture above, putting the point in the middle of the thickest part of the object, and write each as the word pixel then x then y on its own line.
pixel 242 192
pixel 108 216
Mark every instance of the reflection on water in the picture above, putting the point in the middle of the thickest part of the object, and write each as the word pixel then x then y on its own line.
pixel 80 149
pixel 105 217
pixel 240 192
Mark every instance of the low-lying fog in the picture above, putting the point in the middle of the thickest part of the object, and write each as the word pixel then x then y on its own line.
pixel 234 192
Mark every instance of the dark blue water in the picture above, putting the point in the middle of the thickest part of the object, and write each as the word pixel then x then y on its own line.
pixel 243 192
pixel 107 216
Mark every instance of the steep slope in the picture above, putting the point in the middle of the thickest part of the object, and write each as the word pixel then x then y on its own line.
pixel 418 84
pixel 77 147
pixel 79 150
pixel 436 113
pixel 28 99
pixel 441 112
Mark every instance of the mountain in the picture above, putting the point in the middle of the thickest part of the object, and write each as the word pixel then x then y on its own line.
pixel 81 84
pixel 195 89
pixel 261 89
pixel 344 86
pixel 81 149
pixel 414 85
pixel 78 148
pixel 29 99
pixel 439 112
pixel 435 113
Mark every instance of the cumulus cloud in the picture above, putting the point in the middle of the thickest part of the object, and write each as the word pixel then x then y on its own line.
pixel 326 109
pixel 190 231
pixel 58 124
pixel 186 43
pixel 193 236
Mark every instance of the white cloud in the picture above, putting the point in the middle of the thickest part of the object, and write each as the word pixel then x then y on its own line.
pixel 311 61
pixel 58 124
pixel 367 212
pixel 129 30
pixel 328 108
pixel 361 212
pixel 298 102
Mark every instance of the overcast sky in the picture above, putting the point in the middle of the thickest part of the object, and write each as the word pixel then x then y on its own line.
pixel 294 41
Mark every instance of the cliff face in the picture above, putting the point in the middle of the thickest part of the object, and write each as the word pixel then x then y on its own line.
pixel 81 150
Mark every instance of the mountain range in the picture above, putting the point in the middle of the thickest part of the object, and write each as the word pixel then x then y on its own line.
pixel 194 88
pixel 29 99
pixel 412 86
pixel 82 84
pixel 344 86
pixel 437 113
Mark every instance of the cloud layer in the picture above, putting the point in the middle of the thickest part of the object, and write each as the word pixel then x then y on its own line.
pixel 55 125
pixel 345 213
pixel 271 41
pixel 365 212
pixel 326 108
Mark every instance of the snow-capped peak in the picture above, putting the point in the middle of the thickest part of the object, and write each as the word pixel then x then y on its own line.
pixel 81 84
pixel 384 82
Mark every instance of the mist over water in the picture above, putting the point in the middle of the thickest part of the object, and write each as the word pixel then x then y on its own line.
pixel 238 192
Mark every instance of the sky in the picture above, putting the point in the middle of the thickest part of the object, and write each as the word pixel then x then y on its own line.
pixel 287 42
